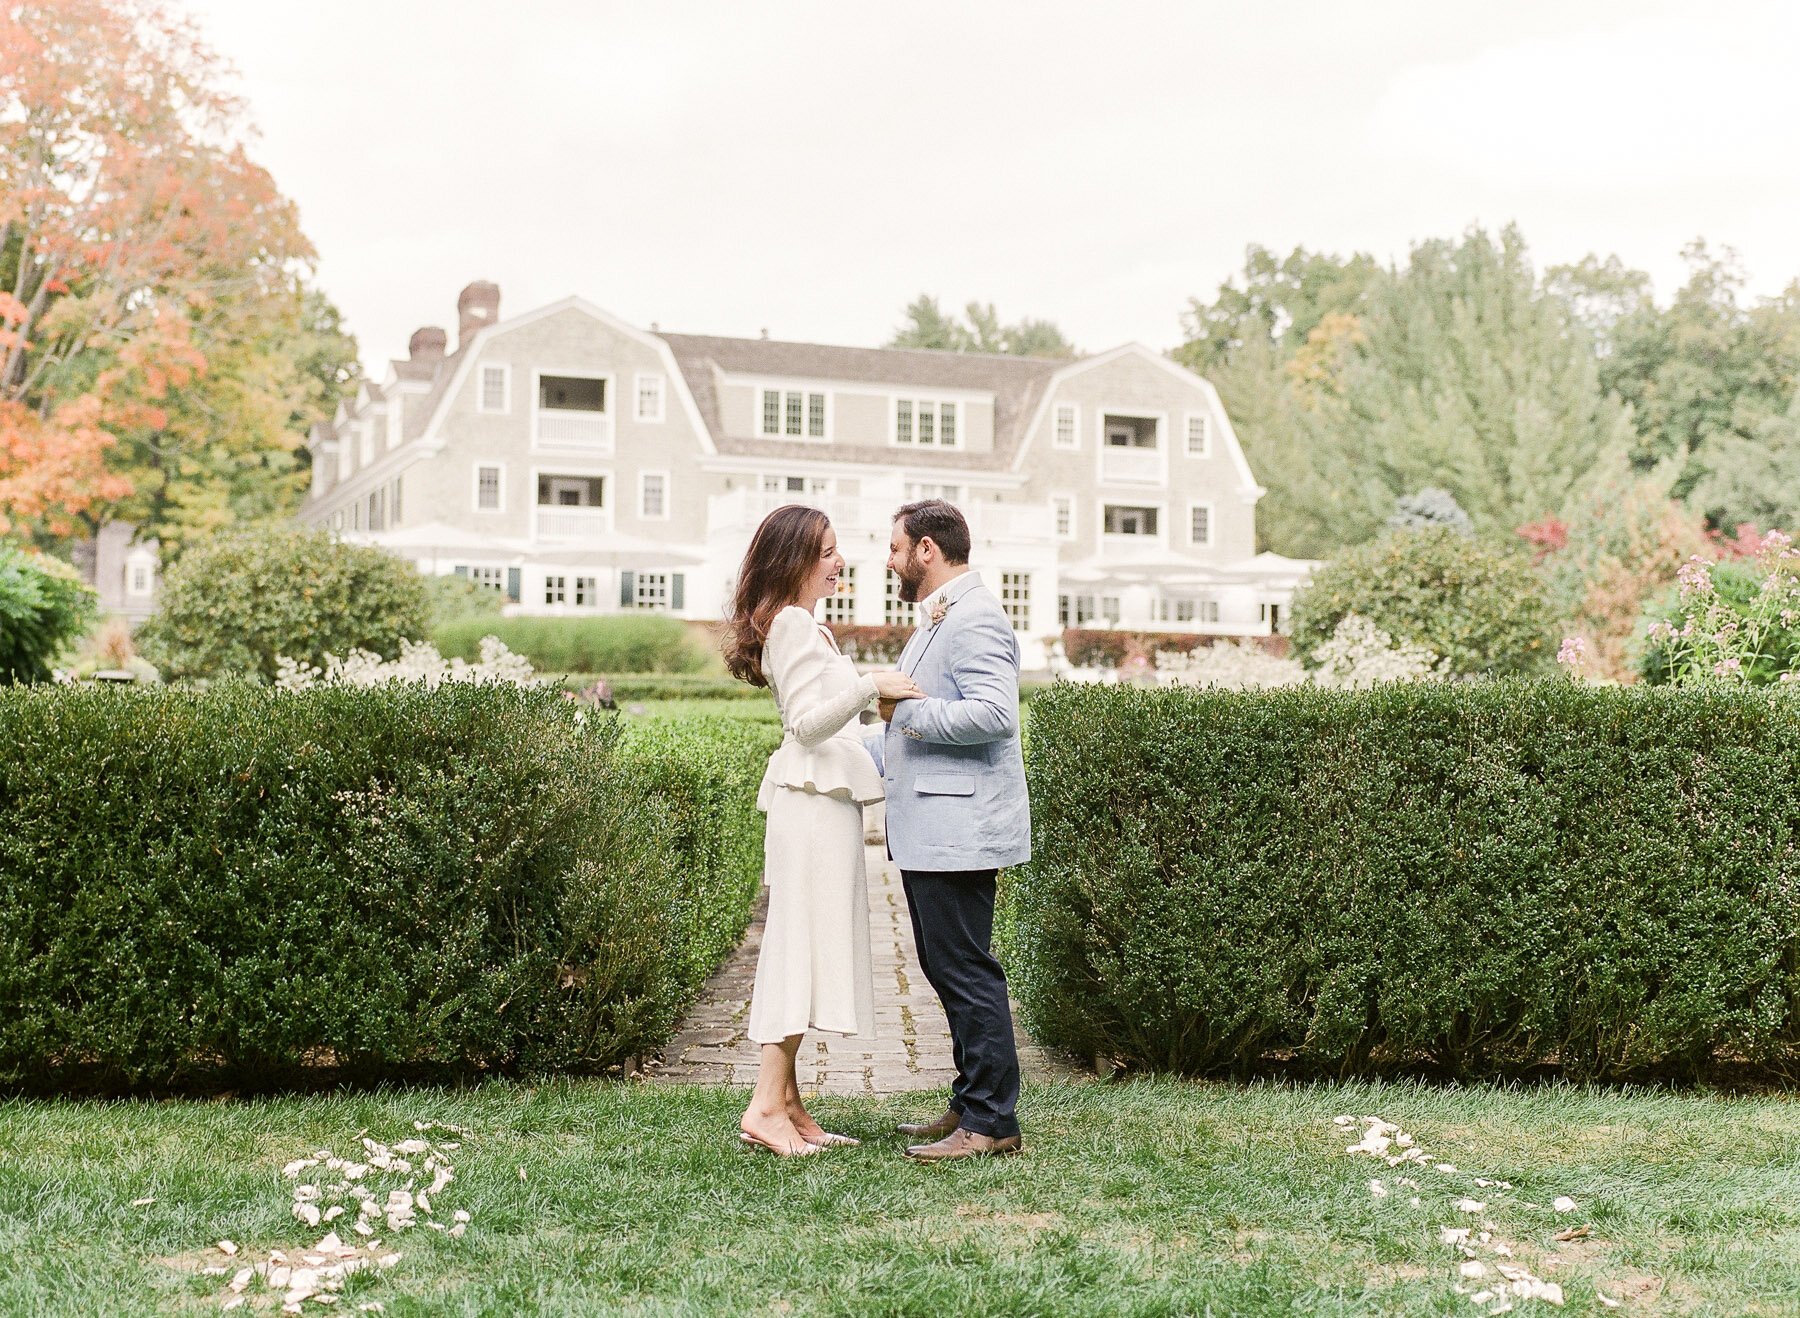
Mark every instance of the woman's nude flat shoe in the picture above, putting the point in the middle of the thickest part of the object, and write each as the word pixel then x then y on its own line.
pixel 750 1141
pixel 826 1140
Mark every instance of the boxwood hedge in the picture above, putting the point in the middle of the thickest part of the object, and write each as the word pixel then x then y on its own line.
pixel 249 884
pixel 1480 877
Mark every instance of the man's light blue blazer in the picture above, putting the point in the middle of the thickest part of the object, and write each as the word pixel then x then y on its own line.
pixel 951 763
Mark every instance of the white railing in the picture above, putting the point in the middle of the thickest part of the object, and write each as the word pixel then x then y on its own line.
pixel 590 432
pixel 1009 521
pixel 1132 465
pixel 569 524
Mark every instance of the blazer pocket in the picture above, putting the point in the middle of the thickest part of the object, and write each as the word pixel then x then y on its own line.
pixel 945 784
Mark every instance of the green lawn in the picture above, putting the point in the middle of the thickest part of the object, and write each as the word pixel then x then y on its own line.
pixel 1142 1198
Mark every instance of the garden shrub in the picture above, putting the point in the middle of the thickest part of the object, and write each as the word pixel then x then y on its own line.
pixel 44 607
pixel 1736 620
pixel 1097 647
pixel 1480 606
pixel 1482 877
pixel 620 643
pixel 242 881
pixel 872 645
pixel 232 605
pixel 627 687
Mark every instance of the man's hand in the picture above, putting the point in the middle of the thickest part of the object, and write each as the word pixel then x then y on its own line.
pixel 886 708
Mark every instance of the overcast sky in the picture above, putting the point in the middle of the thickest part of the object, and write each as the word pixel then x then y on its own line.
pixel 809 168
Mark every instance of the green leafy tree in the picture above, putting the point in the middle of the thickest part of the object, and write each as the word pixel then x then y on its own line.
pixel 1480 606
pixel 232 604
pixel 1465 375
pixel 1755 480
pixel 1707 369
pixel 44 607
pixel 928 327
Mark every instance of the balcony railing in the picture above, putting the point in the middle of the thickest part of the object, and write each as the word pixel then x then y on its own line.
pixel 586 432
pixel 1134 466
pixel 569 525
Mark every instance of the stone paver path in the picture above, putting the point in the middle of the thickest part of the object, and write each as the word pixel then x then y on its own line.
pixel 911 1049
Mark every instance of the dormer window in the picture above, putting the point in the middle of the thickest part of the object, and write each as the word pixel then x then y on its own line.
pixel 925 423
pixel 792 414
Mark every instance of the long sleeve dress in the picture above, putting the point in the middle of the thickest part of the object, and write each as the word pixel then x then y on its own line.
pixel 813 970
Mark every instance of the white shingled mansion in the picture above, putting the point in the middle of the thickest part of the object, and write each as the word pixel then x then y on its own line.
pixel 583 465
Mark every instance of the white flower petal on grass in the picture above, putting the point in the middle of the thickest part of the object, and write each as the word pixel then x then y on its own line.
pixel 458 1229
pixel 444 1177
pixel 145 1202
pixel 1563 1204
pixel 521 1173
pixel 373 1306
pixel 412 1146
pixel 1606 1299
pixel 1452 1235
pixel 363 1228
pixel 1343 1121
pixel 307 1213
pixel 228 1247
pixel 1470 1206
pixel 1447 1168
pixel 1377 1189
pixel 1414 1201
pixel 1547 1291
pixel 334 1212
pixel 242 1279
pixel 461 1215
pixel 387 1260
pixel 235 1302
pixel 423 1202
pixel 306 1192
pixel 1472 1269
pixel 328 1243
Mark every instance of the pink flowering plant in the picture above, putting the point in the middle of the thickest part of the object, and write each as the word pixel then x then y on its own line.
pixel 1735 621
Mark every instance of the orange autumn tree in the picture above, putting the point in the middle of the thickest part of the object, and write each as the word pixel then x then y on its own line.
pixel 130 216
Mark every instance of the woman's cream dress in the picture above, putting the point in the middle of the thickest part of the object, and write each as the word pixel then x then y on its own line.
pixel 813 973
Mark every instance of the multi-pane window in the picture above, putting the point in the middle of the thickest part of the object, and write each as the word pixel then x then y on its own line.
pixel 812 487
pixel 649 398
pixel 841 607
pixel 654 494
pixel 1209 610
pixel 586 597
pixel 1073 610
pixel 140 578
pixel 556 589
pixel 493 388
pixel 1197 438
pixel 794 413
pixel 1063 506
pixel 1200 524
pixel 1066 435
pixel 487 488
pixel 929 490
pixel 1109 609
pixel 1015 598
pixel 1124 520
pixel 492 577
pixel 651 590
pixel 895 612
pixel 1175 610
pixel 924 421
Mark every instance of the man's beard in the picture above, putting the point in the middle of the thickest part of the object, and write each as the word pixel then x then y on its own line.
pixel 912 576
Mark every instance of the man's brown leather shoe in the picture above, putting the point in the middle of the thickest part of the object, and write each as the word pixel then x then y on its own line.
pixel 961 1143
pixel 932 1130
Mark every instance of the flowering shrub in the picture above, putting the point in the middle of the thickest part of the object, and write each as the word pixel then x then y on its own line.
pixel 419 661
pixel 1735 621
pixel 1358 655
pixel 1098 647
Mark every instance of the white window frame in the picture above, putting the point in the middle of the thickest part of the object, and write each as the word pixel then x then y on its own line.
pixel 609 392
pixel 637 592
pixel 1187 435
pixel 1055 500
pixel 1212 523
pixel 608 507
pixel 661 382
pixel 938 404
pixel 841 607
pixel 505 388
pixel 1056 414
pixel 1022 603
pixel 592 587
pixel 643 477
pixel 805 412
pixel 1160 448
pixel 475 488
pixel 365 441
pixel 1107 537
pixel 561 588
pixel 497 584
pixel 132 569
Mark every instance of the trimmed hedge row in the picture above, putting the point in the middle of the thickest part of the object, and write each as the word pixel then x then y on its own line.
pixel 628 643
pixel 246 883
pixel 1480 877
pixel 1090 647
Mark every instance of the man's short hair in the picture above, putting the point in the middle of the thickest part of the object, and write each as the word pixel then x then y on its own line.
pixel 940 520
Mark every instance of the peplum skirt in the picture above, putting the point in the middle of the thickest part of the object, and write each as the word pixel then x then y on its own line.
pixel 813 971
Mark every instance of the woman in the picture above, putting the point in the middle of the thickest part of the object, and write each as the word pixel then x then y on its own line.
pixel 813 972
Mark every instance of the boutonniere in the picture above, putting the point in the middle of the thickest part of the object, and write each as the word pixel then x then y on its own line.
pixel 939 607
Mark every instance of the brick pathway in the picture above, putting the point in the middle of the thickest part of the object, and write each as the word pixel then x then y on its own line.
pixel 911 1049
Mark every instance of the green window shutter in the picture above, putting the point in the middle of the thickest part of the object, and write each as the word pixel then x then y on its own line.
pixel 627 589
pixel 677 590
pixel 461 570
pixel 512 584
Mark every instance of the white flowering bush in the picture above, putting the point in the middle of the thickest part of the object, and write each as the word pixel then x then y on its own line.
pixel 1358 655
pixel 1233 665
pixel 419 661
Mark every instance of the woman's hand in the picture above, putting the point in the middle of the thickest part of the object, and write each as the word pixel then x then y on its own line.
pixel 891 686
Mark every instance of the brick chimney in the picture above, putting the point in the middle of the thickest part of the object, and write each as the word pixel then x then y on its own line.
pixel 427 344
pixel 477 306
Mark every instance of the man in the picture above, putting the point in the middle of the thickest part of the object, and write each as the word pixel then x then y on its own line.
pixel 956 813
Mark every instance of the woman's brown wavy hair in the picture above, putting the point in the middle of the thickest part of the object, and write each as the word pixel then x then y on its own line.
pixel 782 555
